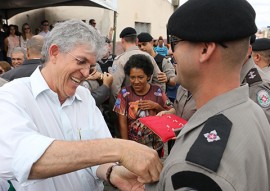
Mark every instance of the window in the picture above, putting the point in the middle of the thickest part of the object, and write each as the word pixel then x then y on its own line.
pixel 142 27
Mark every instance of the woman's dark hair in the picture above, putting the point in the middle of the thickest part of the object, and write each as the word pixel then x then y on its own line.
pixel 139 61
pixel 9 27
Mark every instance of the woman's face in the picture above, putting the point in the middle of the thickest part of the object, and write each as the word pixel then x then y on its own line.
pixel 12 30
pixel 138 80
pixel 26 28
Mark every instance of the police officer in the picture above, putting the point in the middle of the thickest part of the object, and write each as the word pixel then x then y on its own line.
pixel 225 144
pixel 258 81
pixel 145 43
pixel 128 41
pixel 261 54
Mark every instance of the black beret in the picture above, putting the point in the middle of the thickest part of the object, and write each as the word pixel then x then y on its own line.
pixel 261 44
pixel 213 20
pixel 145 37
pixel 128 31
pixel 252 39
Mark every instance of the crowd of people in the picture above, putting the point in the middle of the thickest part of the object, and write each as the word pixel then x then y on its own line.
pixel 70 109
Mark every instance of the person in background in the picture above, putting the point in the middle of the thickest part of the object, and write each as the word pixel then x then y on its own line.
pixel 4 67
pixel 93 23
pixel 145 43
pixel 26 35
pixel 140 99
pixel 161 48
pixel 3 35
pixel 257 80
pixel 11 41
pixel 59 134
pixel 219 146
pixel 261 54
pixel 45 28
pixel 107 59
pixel 18 56
pixel 37 31
pixel 128 41
pixel 99 84
pixel 33 47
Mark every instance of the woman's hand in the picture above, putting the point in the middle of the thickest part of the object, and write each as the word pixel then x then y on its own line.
pixel 147 105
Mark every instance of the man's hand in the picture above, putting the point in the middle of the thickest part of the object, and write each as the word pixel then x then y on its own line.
pixel 142 161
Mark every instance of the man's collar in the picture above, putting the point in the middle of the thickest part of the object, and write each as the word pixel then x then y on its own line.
pixel 39 85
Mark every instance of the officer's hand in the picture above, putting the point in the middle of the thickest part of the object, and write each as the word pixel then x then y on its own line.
pixel 162 78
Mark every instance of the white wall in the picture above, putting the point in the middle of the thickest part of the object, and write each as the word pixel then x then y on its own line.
pixel 156 12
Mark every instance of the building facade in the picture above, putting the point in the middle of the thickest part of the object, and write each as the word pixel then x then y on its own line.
pixel 144 15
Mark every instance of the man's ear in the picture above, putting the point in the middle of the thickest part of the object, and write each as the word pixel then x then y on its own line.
pixel 207 50
pixel 256 57
pixel 53 52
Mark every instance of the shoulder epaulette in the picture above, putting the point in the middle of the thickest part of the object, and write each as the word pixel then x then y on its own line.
pixel 253 76
pixel 208 148
pixel 194 180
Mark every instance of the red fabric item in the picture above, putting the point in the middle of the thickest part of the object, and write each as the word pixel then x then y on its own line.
pixel 164 126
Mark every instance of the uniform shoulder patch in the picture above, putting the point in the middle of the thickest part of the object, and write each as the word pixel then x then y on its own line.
pixel 253 76
pixel 194 180
pixel 113 68
pixel 263 98
pixel 208 148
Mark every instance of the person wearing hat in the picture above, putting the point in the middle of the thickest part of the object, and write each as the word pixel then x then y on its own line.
pixel 257 80
pixel 225 144
pixel 145 43
pixel 261 54
pixel 128 41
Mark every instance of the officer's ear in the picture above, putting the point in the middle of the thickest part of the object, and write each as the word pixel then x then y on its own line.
pixel 206 50
pixel 256 57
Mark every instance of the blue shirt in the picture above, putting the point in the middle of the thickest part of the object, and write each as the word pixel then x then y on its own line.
pixel 161 50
